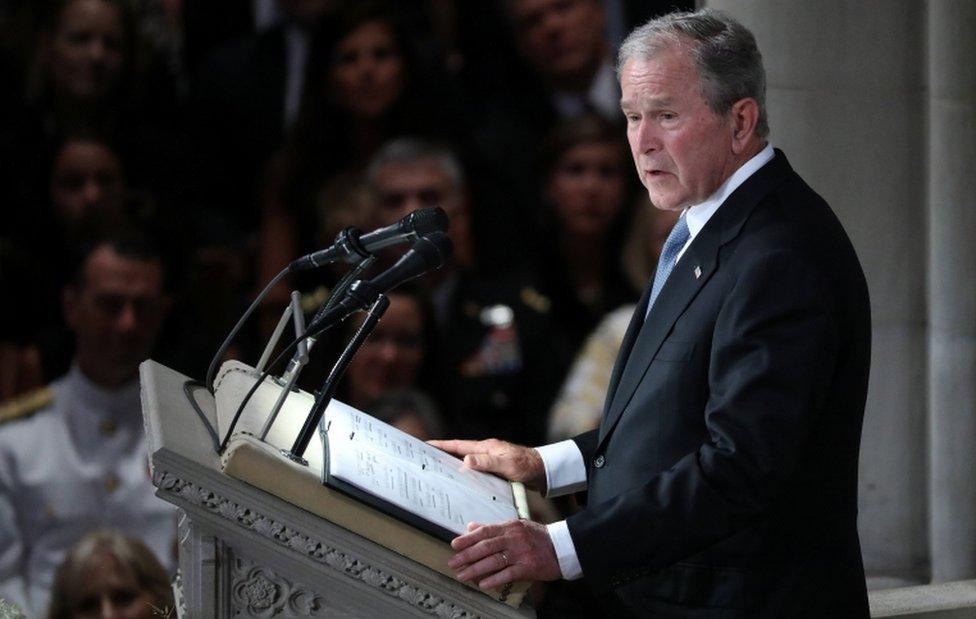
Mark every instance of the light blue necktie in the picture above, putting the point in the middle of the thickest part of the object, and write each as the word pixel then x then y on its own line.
pixel 669 255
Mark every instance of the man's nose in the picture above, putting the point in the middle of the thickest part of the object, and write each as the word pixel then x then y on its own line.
pixel 412 203
pixel 96 49
pixel 647 138
pixel 366 67
pixel 93 193
pixel 590 180
pixel 388 351
pixel 127 319
pixel 108 609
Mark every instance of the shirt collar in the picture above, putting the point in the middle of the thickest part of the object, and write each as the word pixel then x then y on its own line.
pixel 602 97
pixel 122 403
pixel 698 215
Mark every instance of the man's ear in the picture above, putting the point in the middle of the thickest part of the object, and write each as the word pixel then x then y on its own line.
pixel 745 117
pixel 165 305
pixel 69 305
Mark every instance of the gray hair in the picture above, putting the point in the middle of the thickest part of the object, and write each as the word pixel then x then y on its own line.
pixel 410 151
pixel 723 50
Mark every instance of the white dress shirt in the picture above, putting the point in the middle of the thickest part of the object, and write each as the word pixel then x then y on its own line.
pixel 565 468
pixel 602 97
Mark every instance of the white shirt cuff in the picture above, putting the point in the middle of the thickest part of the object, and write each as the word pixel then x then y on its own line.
pixel 565 469
pixel 562 542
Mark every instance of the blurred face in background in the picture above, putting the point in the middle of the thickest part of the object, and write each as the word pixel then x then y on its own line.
pixel 392 356
pixel 110 592
pixel 87 50
pixel 115 312
pixel 561 39
pixel 402 188
pixel 586 188
pixel 306 12
pixel 86 181
pixel 367 73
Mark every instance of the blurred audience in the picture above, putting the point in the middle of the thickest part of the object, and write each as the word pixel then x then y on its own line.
pixel 107 575
pixel 87 183
pixel 395 356
pixel 73 457
pixel 564 43
pixel 365 84
pixel 586 210
pixel 301 118
pixel 246 96
pixel 499 358
pixel 89 71
pixel 566 72
pixel 579 406
pixel 86 190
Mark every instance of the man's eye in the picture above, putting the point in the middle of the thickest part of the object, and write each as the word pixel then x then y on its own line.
pixel 667 116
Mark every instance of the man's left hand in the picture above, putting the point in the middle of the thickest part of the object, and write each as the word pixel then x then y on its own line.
pixel 497 554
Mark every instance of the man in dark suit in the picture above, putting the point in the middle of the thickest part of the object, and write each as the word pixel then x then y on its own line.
pixel 722 481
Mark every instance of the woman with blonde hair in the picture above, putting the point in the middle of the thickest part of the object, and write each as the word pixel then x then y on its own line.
pixel 107 574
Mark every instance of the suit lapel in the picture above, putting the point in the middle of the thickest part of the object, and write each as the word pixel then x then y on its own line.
pixel 636 322
pixel 690 274
pixel 681 287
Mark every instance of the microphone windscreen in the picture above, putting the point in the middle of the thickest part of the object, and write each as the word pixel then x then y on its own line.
pixel 427 220
pixel 435 248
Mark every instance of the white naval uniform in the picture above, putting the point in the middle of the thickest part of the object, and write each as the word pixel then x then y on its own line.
pixel 75 466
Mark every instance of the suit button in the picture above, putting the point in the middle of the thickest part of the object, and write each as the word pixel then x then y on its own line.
pixel 599 461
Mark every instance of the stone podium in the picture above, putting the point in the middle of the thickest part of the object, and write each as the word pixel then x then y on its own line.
pixel 244 552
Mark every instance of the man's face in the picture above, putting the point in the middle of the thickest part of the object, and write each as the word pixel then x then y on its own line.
pixel 402 188
pixel 682 150
pixel 115 313
pixel 561 38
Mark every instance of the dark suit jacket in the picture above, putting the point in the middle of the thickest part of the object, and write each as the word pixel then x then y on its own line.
pixel 722 481
pixel 237 122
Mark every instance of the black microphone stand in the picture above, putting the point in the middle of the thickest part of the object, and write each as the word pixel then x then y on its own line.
pixel 324 395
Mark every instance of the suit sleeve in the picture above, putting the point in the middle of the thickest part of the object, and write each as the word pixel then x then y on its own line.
pixel 772 351
pixel 587 443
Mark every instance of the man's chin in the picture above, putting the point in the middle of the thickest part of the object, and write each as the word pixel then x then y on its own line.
pixel 666 202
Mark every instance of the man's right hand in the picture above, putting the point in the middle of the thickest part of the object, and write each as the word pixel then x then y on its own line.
pixel 508 460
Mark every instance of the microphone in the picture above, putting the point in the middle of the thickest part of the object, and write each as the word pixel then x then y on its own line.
pixel 353 246
pixel 427 253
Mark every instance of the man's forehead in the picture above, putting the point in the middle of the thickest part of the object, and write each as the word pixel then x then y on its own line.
pixel 411 174
pixel 657 79
pixel 107 270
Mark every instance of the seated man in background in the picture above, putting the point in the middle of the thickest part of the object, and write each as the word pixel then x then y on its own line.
pixel 498 359
pixel 73 456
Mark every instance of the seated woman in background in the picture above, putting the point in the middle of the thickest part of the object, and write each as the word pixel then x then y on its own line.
pixel 579 406
pixel 365 84
pixel 109 575
pixel 586 198
pixel 396 355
